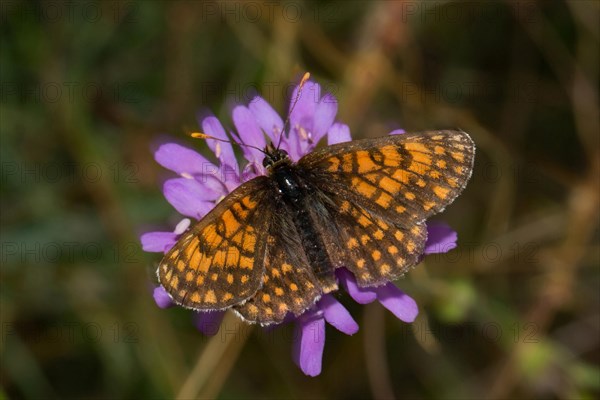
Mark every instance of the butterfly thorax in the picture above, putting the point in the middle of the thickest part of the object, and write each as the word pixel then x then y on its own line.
pixel 280 167
pixel 295 200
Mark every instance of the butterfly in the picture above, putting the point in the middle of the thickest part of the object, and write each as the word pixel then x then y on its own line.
pixel 272 245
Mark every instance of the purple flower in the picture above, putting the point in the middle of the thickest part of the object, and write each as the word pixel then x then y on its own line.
pixel 310 329
pixel 200 184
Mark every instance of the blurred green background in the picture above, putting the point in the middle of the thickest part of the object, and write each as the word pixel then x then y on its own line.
pixel 87 87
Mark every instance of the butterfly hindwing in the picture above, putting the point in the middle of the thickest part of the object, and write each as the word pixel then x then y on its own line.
pixel 289 283
pixel 375 249
pixel 219 262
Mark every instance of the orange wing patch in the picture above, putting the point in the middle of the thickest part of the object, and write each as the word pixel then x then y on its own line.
pixel 220 261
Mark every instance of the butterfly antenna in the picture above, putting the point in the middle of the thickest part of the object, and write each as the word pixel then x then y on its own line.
pixel 303 81
pixel 199 135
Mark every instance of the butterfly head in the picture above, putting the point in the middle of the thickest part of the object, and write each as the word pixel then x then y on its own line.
pixel 274 156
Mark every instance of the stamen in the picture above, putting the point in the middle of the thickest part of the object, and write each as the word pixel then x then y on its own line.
pixel 199 135
pixel 302 133
pixel 305 77
pixel 303 81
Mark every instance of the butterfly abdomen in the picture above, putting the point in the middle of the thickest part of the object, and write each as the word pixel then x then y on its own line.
pixel 295 194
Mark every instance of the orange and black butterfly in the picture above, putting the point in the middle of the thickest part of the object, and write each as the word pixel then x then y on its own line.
pixel 271 246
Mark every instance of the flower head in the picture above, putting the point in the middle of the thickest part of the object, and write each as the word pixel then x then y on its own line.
pixel 202 183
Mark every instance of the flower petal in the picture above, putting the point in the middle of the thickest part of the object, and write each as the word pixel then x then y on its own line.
pixel 208 322
pixel 224 151
pixel 397 132
pixel 338 133
pixel 182 226
pixel 162 298
pixel 180 159
pixel 215 181
pixel 324 116
pixel 231 177
pixel 249 132
pixel 304 111
pixel 399 303
pixel 158 242
pixel 358 294
pixel 252 170
pixel 309 336
pixel 267 118
pixel 186 196
pixel 337 315
pixel 440 238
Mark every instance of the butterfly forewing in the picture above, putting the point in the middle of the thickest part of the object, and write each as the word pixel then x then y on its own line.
pixel 219 262
pixel 384 189
pixel 406 177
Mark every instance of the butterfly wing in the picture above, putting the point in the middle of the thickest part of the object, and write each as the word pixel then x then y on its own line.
pixel 289 282
pixel 219 262
pixel 383 190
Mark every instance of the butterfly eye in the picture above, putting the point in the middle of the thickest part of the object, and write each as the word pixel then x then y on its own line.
pixel 267 162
